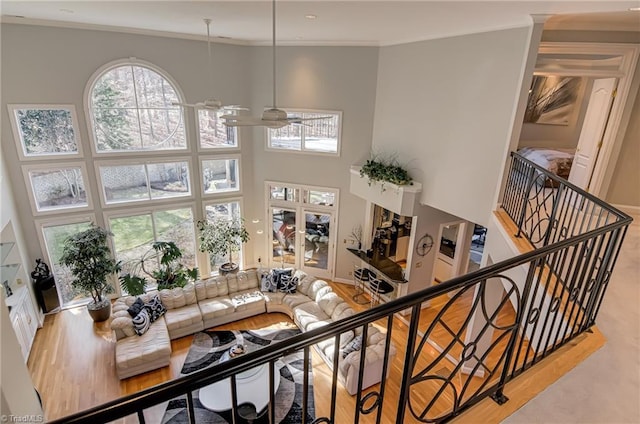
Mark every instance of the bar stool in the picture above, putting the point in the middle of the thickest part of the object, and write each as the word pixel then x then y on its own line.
pixel 360 277
pixel 374 292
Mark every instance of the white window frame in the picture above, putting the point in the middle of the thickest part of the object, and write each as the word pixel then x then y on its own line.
pixel 213 150
pixel 17 135
pixel 225 192
pixel 151 209
pixel 41 224
pixel 302 206
pixel 27 169
pixel 206 262
pixel 145 162
pixel 303 150
pixel 132 61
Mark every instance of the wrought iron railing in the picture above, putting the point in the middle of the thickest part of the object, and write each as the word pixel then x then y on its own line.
pixel 493 324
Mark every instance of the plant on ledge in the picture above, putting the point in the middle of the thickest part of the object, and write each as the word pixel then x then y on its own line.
pixel 223 236
pixel 383 170
pixel 170 273
pixel 90 261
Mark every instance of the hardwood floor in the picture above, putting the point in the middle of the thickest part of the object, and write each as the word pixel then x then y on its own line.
pixel 72 366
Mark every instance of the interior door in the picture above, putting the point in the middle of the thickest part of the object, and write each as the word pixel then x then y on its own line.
pixel 316 243
pixel 595 122
pixel 283 237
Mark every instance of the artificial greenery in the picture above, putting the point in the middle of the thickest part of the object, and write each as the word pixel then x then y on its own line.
pixel 222 236
pixel 169 274
pixel 378 169
pixel 90 261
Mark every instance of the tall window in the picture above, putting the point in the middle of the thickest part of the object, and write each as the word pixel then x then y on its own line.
pixel 132 107
pixel 315 136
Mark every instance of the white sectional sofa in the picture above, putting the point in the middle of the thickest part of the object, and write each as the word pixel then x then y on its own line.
pixel 219 300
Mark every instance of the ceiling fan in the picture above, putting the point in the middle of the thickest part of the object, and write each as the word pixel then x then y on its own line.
pixel 272 117
pixel 211 103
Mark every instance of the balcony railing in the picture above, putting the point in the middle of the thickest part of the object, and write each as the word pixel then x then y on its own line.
pixel 515 313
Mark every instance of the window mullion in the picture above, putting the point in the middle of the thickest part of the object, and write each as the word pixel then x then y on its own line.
pixel 137 103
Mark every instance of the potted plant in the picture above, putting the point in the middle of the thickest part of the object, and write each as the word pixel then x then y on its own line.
pixel 223 236
pixel 89 259
pixel 378 169
pixel 170 273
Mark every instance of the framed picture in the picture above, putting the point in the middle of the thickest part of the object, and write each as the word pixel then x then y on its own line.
pixel 552 100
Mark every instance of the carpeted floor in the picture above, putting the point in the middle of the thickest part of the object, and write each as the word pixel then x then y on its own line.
pixel 207 349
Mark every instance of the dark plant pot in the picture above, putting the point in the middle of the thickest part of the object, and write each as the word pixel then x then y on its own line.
pixel 101 311
pixel 228 268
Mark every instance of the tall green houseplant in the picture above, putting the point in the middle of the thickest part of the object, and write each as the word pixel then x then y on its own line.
pixel 222 236
pixel 89 259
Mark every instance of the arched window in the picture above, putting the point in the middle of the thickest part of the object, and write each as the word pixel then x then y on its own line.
pixel 131 107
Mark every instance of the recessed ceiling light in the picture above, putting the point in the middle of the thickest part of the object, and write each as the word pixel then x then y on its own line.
pixel 66 11
pixel 310 16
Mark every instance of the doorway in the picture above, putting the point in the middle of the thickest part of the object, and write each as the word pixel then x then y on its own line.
pixel 302 227
pixel 607 69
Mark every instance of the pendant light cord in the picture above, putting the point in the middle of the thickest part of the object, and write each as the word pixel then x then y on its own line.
pixel 273 48
pixel 210 64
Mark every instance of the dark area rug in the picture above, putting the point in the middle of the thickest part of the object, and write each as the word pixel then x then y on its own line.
pixel 207 349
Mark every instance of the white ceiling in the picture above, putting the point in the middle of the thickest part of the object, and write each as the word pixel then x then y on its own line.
pixel 352 22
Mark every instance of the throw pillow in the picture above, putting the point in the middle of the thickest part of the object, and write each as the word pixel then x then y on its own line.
pixel 288 284
pixel 141 322
pixel 352 346
pixel 268 284
pixel 136 307
pixel 278 273
pixel 155 308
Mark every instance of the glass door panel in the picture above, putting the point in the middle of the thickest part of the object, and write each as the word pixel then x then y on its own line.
pixel 283 237
pixel 317 245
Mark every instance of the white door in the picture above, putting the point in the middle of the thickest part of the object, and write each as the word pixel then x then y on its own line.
pixel 595 122
pixel 317 243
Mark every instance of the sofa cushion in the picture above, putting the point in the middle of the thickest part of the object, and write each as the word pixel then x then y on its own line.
pixel 294 300
pixel 136 307
pixel 154 308
pixel 321 293
pixel 123 326
pixel 141 322
pixel 132 352
pixel 217 307
pixel 267 283
pixel 315 287
pixel 201 290
pixel 247 280
pixel 288 284
pixel 247 300
pixel 329 301
pixel 304 283
pixel 275 298
pixel 182 317
pixel 352 346
pixel 121 313
pixel 308 313
pixel 342 310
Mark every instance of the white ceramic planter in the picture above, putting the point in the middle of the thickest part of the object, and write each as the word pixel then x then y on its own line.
pixel 402 200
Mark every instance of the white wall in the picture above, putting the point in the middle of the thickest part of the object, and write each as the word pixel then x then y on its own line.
pixel 331 78
pixel 53 65
pixel 446 108
pixel 18 396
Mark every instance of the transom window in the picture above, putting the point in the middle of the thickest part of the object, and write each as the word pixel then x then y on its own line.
pixel 315 136
pixel 132 108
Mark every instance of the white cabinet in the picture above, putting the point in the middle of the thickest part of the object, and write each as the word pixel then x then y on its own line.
pixel 23 318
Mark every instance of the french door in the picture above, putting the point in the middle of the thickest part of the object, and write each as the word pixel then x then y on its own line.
pixel 302 229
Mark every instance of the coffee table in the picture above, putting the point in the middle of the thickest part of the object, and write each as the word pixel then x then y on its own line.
pixel 252 387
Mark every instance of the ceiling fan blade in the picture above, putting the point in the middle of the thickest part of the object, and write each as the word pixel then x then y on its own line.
pixel 184 104
pixel 234 107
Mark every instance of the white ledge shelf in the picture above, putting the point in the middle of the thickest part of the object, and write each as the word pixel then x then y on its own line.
pixel 402 200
